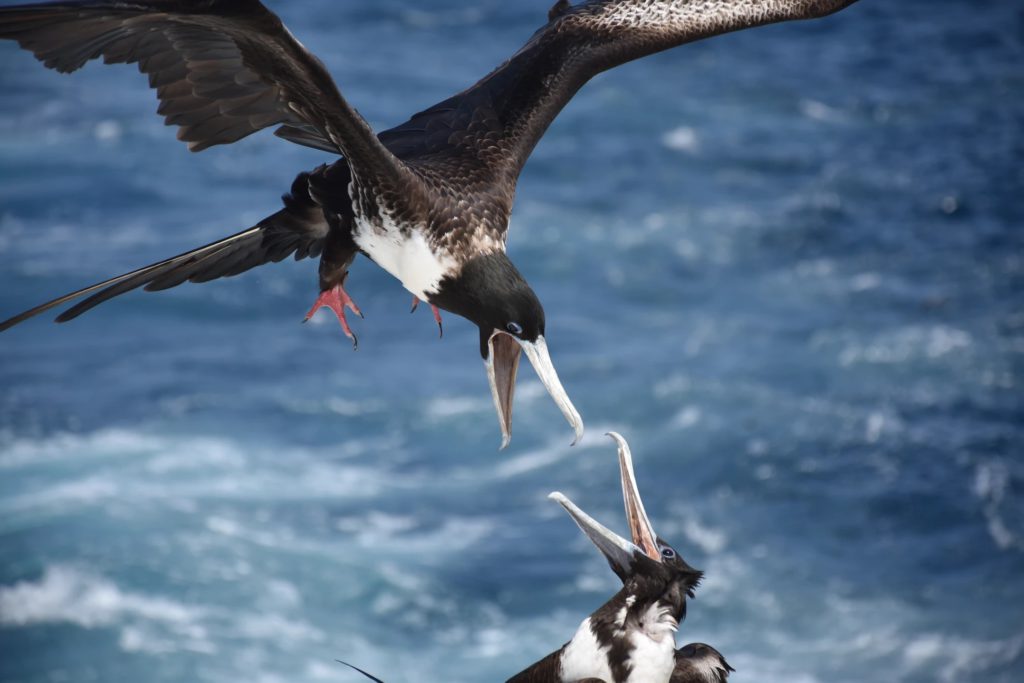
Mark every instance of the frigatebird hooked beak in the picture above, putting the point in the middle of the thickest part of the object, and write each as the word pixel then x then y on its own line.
pixel 502 363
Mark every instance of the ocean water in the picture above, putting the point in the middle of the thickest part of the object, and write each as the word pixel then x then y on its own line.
pixel 787 264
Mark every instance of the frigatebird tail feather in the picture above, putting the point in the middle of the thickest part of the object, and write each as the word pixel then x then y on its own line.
pixel 299 228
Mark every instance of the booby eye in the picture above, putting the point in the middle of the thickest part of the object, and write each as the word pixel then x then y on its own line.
pixel 668 553
pixel 514 328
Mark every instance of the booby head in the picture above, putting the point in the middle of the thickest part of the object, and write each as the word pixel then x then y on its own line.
pixel 490 292
pixel 700 663
pixel 647 564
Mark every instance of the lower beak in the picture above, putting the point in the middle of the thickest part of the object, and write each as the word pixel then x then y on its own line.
pixel 620 553
pixel 503 363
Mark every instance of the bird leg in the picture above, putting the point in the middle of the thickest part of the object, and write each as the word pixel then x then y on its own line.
pixel 337 299
pixel 435 309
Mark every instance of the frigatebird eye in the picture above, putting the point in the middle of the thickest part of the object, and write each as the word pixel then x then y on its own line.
pixel 668 553
pixel 514 328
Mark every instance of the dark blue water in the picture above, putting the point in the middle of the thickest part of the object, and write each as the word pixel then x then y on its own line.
pixel 787 264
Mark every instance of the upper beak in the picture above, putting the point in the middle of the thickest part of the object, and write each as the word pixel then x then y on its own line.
pixel 639 524
pixel 620 553
pixel 503 363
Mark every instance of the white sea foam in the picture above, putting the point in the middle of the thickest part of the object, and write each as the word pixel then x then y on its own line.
pixel 283 631
pixel 129 469
pixel 864 282
pixel 958 659
pixel 905 344
pixel 991 480
pixel 335 405
pixel 555 450
pixel 682 139
pixel 107 131
pixel 686 418
pixel 69 595
pixel 64 447
pixel 153 624
pixel 709 539
pixel 819 111
pixel 456 406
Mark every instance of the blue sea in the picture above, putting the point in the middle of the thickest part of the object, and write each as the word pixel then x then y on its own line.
pixel 786 264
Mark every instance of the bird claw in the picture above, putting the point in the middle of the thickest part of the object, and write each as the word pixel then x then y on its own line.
pixel 337 299
pixel 435 309
pixel 437 318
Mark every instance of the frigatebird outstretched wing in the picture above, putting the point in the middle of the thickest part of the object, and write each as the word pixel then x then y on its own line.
pixel 499 120
pixel 222 69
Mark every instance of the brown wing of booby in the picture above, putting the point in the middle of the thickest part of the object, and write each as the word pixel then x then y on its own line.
pixel 545 670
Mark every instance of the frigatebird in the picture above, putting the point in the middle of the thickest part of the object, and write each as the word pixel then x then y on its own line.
pixel 429 200
pixel 630 638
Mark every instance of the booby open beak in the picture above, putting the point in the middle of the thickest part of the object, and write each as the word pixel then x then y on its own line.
pixel 503 351
pixel 639 524
pixel 620 553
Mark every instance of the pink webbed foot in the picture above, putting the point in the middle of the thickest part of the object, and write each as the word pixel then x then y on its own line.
pixel 337 299
pixel 435 309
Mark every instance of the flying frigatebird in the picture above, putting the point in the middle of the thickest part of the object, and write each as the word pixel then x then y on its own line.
pixel 429 200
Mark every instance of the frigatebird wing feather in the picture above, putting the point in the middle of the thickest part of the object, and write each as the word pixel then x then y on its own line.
pixel 497 122
pixel 222 69
pixel 298 229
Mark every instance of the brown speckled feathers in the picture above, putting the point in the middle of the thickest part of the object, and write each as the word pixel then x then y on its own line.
pixel 224 69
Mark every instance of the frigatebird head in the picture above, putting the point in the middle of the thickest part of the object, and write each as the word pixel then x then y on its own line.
pixel 491 292
pixel 646 564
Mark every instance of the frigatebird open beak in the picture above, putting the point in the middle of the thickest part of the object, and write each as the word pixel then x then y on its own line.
pixel 620 553
pixel 503 351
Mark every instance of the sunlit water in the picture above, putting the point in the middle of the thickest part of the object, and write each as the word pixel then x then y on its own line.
pixel 786 264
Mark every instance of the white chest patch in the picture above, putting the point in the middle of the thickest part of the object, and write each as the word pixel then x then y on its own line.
pixel 584 657
pixel 406 255
pixel 651 661
pixel 652 658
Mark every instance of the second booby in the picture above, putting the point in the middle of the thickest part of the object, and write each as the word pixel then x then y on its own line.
pixel 700 663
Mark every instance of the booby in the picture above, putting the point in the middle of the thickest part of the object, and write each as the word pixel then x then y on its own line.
pixel 630 638
pixel 429 200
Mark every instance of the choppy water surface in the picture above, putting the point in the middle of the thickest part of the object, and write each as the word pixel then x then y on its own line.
pixel 786 264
